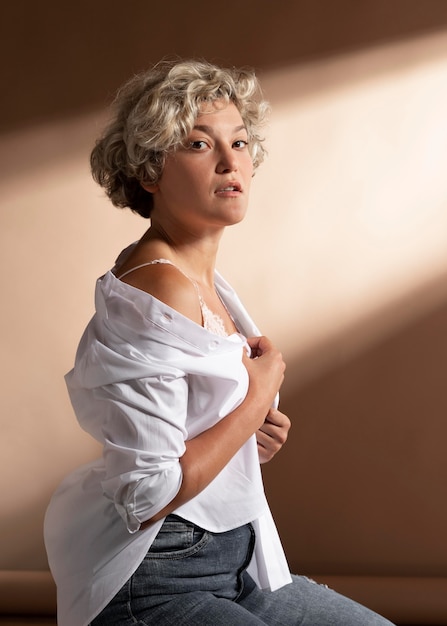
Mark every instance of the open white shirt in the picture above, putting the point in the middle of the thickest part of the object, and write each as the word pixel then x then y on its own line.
pixel 146 379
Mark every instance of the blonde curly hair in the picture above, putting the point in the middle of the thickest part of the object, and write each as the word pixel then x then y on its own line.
pixel 153 114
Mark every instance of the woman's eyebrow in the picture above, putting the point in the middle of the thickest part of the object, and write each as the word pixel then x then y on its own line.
pixel 209 129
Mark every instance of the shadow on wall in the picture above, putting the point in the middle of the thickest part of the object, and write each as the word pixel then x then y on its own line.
pixel 70 55
pixel 25 523
pixel 364 473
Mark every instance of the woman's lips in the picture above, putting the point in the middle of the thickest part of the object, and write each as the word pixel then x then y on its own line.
pixel 229 188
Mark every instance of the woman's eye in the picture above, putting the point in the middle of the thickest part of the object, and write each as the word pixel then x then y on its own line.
pixel 240 143
pixel 198 145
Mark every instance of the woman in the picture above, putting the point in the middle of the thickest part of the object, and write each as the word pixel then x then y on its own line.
pixel 171 525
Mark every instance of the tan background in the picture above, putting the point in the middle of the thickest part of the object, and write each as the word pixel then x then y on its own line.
pixel 342 261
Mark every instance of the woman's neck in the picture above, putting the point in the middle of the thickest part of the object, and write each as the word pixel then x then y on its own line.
pixel 196 256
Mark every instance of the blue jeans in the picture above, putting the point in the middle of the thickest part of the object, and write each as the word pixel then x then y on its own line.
pixel 192 577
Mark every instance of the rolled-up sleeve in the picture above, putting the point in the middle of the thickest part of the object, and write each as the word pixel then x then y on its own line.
pixel 144 437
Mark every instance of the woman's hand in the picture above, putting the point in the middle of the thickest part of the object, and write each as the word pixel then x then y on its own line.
pixel 265 369
pixel 272 435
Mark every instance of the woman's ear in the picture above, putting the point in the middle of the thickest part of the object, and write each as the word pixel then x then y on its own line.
pixel 151 188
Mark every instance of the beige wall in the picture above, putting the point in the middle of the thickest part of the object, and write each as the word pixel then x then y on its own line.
pixel 344 261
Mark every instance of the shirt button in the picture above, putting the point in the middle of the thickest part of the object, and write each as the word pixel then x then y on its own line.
pixel 166 318
pixel 214 344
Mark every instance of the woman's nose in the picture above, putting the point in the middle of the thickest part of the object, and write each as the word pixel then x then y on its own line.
pixel 227 161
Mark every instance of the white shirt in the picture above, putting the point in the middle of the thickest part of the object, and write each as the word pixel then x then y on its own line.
pixel 146 379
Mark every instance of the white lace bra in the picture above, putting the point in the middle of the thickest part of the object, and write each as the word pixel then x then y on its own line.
pixel 211 321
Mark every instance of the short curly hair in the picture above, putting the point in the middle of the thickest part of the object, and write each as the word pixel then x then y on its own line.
pixel 154 112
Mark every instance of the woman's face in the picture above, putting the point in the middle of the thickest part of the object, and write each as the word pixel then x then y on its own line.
pixel 205 183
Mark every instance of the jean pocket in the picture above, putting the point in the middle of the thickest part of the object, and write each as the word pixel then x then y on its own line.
pixel 177 538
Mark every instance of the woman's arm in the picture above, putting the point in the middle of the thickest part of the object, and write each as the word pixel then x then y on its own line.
pixel 208 453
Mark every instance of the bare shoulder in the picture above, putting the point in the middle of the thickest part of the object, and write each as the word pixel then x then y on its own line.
pixel 169 285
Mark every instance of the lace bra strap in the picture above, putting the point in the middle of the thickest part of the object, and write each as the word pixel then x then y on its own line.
pixel 154 262
pixel 211 321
